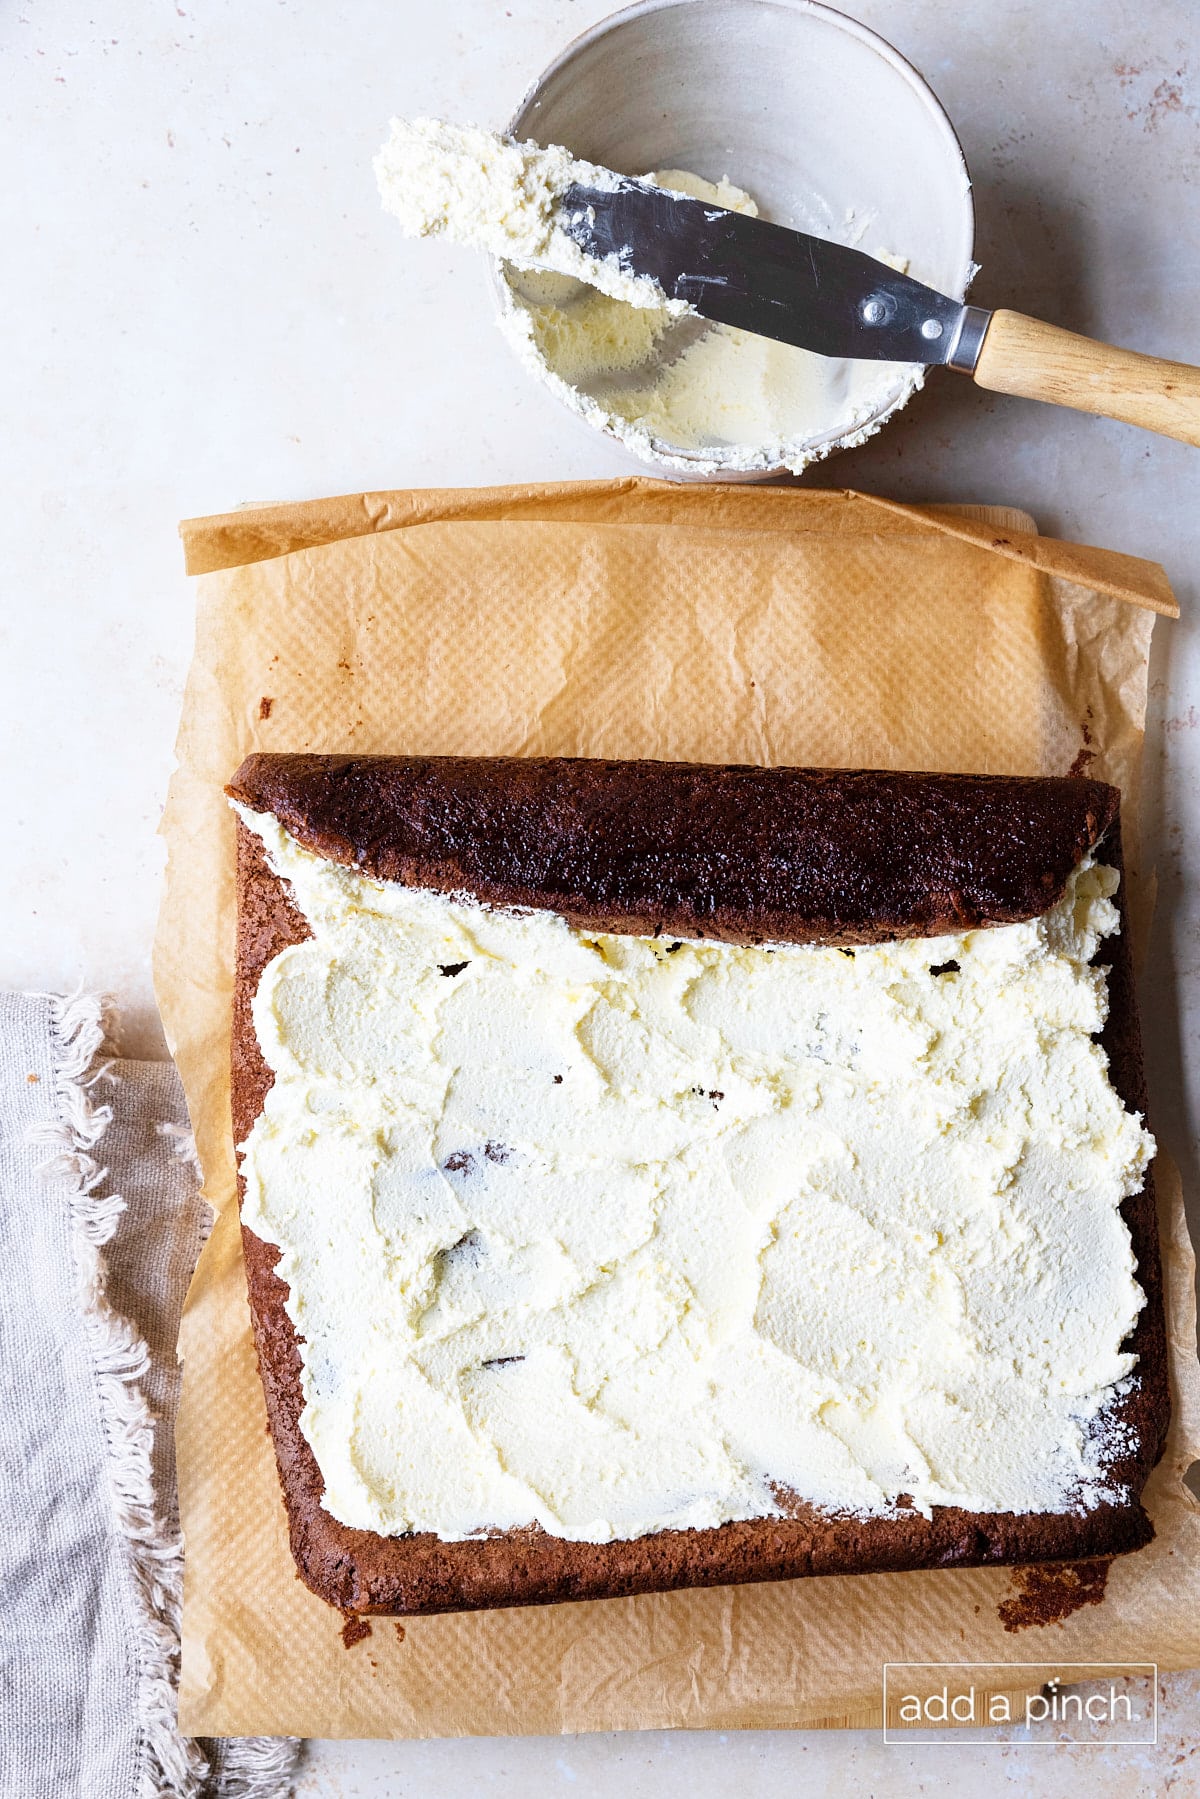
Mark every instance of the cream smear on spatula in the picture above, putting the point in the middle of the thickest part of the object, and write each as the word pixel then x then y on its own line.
pixel 459 182
pixel 672 387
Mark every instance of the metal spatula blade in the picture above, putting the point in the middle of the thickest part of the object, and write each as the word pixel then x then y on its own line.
pixel 824 297
pixel 763 278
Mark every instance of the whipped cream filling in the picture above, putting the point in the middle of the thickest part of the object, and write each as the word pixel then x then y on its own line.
pixel 613 1234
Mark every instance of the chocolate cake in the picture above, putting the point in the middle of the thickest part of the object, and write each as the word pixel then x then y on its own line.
pixel 737 855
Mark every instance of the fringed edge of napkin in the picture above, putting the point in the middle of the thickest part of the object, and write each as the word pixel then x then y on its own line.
pixel 171 1764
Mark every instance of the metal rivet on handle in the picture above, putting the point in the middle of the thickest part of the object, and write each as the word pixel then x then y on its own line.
pixel 931 329
pixel 873 312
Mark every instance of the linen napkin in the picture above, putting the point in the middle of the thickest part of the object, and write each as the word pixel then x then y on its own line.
pixel 101 1221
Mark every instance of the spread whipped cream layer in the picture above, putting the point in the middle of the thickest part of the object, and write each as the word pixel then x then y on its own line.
pixel 674 388
pixel 476 188
pixel 613 1234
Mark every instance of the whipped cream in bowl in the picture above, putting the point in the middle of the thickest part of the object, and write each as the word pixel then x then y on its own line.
pixel 789 110
pixel 684 392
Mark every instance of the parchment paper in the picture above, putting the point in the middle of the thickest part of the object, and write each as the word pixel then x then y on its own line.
pixel 632 618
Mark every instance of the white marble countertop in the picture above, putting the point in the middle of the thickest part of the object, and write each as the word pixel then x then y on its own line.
pixel 205 306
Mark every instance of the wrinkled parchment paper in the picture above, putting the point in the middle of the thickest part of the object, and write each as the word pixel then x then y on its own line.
pixel 631 618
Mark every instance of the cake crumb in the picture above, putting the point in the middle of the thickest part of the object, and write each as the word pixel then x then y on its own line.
pixel 400 1631
pixel 1047 1595
pixel 264 706
pixel 354 1630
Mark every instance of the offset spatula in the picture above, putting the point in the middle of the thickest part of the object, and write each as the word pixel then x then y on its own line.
pixel 804 290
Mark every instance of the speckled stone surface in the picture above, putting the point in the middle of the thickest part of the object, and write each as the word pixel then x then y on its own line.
pixel 768 1764
pixel 209 307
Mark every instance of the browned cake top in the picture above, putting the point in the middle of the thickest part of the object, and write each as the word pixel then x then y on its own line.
pixel 741 854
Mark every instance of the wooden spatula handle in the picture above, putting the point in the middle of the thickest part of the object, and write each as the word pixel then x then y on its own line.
pixel 1043 362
